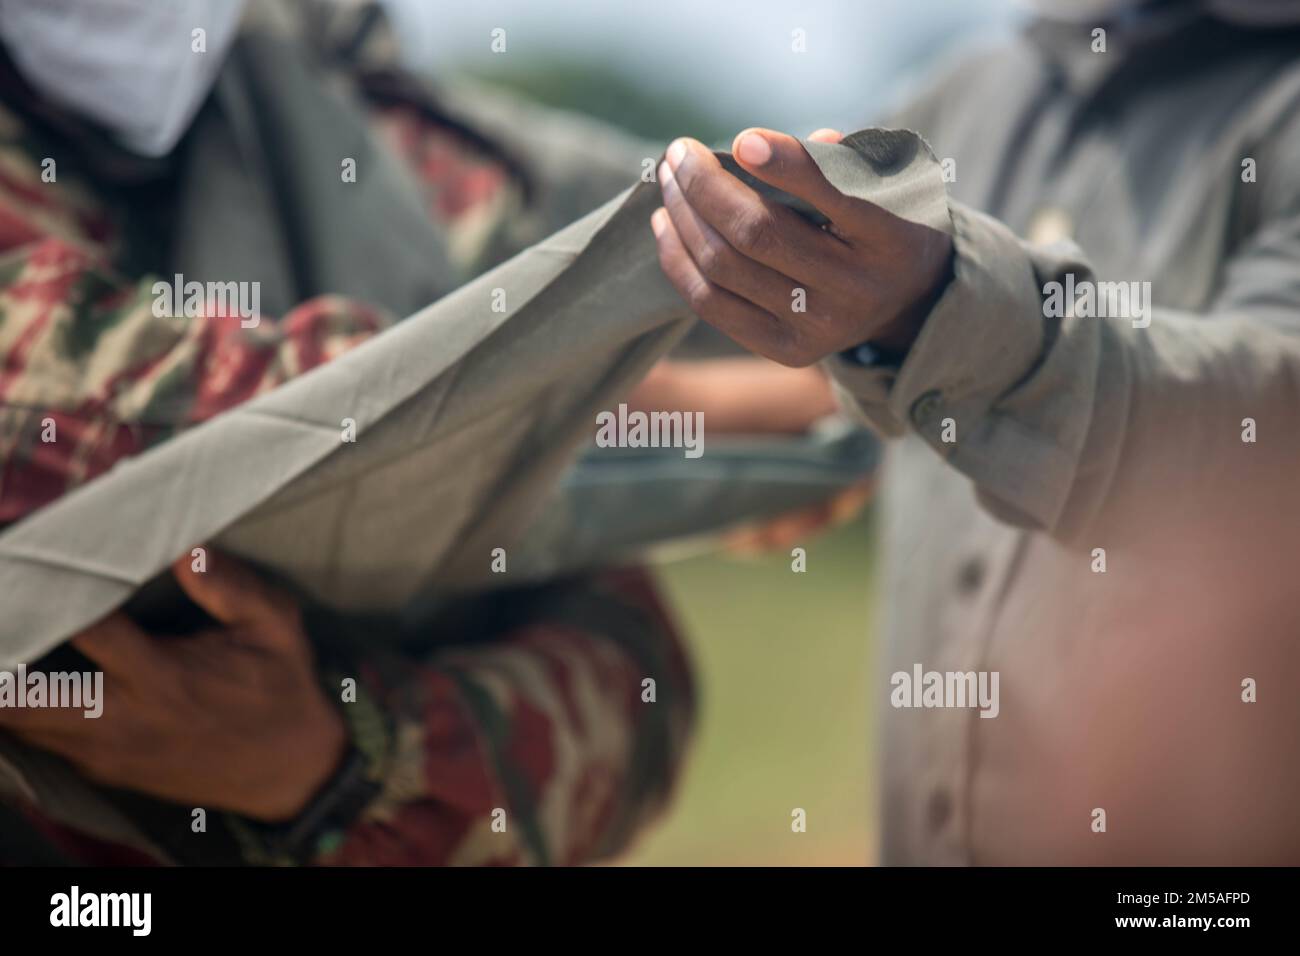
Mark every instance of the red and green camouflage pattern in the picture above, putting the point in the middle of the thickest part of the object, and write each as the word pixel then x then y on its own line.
pixel 81 347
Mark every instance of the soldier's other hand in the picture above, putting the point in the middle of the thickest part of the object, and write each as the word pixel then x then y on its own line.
pixel 747 265
pixel 232 717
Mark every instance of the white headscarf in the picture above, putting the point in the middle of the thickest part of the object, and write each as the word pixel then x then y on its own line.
pixel 140 68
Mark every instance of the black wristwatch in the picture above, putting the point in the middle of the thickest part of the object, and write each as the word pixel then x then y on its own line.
pixel 322 821
pixel 320 826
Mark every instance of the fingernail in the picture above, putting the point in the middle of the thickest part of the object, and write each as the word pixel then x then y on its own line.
pixel 676 153
pixel 657 221
pixel 753 149
pixel 665 174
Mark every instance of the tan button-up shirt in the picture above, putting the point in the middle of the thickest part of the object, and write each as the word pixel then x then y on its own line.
pixel 1103 509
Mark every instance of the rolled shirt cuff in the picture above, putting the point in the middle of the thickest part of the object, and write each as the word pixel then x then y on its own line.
pixel 982 336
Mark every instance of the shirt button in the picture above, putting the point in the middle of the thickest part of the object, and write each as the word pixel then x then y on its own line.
pixel 1048 225
pixel 970 575
pixel 938 809
pixel 925 408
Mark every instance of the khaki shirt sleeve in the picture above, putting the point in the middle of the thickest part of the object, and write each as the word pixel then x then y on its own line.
pixel 1090 427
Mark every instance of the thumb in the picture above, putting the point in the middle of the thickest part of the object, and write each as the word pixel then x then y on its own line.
pixel 119 647
pixel 781 161
pixel 236 595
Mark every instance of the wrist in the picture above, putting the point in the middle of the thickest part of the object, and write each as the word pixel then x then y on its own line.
pixel 321 819
pixel 316 757
pixel 935 274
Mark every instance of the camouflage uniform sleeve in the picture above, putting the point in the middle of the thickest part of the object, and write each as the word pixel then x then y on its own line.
pixel 89 374
pixel 549 736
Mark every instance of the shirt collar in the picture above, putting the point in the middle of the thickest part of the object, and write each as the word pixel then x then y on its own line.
pixel 1067 48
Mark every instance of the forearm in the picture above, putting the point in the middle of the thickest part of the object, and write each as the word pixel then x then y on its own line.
pixel 742 395
pixel 93 375
pixel 545 745
pixel 1069 424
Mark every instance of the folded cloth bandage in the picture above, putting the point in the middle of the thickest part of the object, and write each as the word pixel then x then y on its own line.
pixel 464 416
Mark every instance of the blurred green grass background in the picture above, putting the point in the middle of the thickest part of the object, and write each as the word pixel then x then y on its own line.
pixel 783 661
